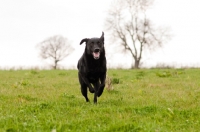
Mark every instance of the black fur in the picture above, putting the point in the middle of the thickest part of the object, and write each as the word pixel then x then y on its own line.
pixel 92 67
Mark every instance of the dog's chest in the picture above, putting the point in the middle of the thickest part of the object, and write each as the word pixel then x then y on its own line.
pixel 93 76
pixel 94 73
pixel 95 66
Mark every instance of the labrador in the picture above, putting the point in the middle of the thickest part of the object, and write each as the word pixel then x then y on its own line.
pixel 92 67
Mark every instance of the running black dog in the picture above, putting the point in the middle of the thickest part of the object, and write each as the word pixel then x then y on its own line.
pixel 92 67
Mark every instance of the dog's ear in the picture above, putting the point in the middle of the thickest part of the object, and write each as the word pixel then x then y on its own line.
pixel 102 36
pixel 84 40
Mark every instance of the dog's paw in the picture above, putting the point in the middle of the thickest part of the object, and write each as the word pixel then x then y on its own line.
pixel 91 90
pixel 100 91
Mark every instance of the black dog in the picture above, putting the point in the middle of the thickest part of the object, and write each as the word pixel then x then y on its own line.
pixel 92 67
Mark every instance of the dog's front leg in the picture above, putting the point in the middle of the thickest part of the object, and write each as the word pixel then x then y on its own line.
pixel 96 87
pixel 91 89
pixel 102 85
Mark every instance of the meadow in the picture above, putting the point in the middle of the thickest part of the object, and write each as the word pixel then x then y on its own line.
pixel 144 100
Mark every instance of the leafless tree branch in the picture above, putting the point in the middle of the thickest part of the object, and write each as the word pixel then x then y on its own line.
pixel 128 22
pixel 55 48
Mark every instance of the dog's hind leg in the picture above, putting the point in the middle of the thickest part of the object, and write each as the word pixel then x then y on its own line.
pixel 84 91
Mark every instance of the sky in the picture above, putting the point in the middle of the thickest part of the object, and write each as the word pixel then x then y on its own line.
pixel 26 23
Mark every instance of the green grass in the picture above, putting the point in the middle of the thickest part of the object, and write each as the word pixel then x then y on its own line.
pixel 149 100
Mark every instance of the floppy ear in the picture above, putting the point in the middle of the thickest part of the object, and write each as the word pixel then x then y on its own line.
pixel 84 40
pixel 102 36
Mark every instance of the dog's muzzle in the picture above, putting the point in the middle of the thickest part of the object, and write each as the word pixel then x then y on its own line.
pixel 96 54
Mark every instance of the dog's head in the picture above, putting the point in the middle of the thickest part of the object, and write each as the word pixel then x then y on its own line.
pixel 94 46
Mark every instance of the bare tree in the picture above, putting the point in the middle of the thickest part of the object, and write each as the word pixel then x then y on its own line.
pixel 55 48
pixel 128 21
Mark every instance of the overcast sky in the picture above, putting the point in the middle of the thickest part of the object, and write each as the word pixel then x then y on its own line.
pixel 25 23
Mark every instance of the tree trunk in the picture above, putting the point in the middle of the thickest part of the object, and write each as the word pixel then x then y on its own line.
pixel 55 65
pixel 136 64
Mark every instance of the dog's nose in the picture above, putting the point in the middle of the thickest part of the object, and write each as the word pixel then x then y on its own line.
pixel 96 50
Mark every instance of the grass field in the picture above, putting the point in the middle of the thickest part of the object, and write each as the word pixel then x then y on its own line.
pixel 146 100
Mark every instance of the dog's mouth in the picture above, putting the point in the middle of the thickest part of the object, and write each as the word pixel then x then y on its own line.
pixel 96 55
